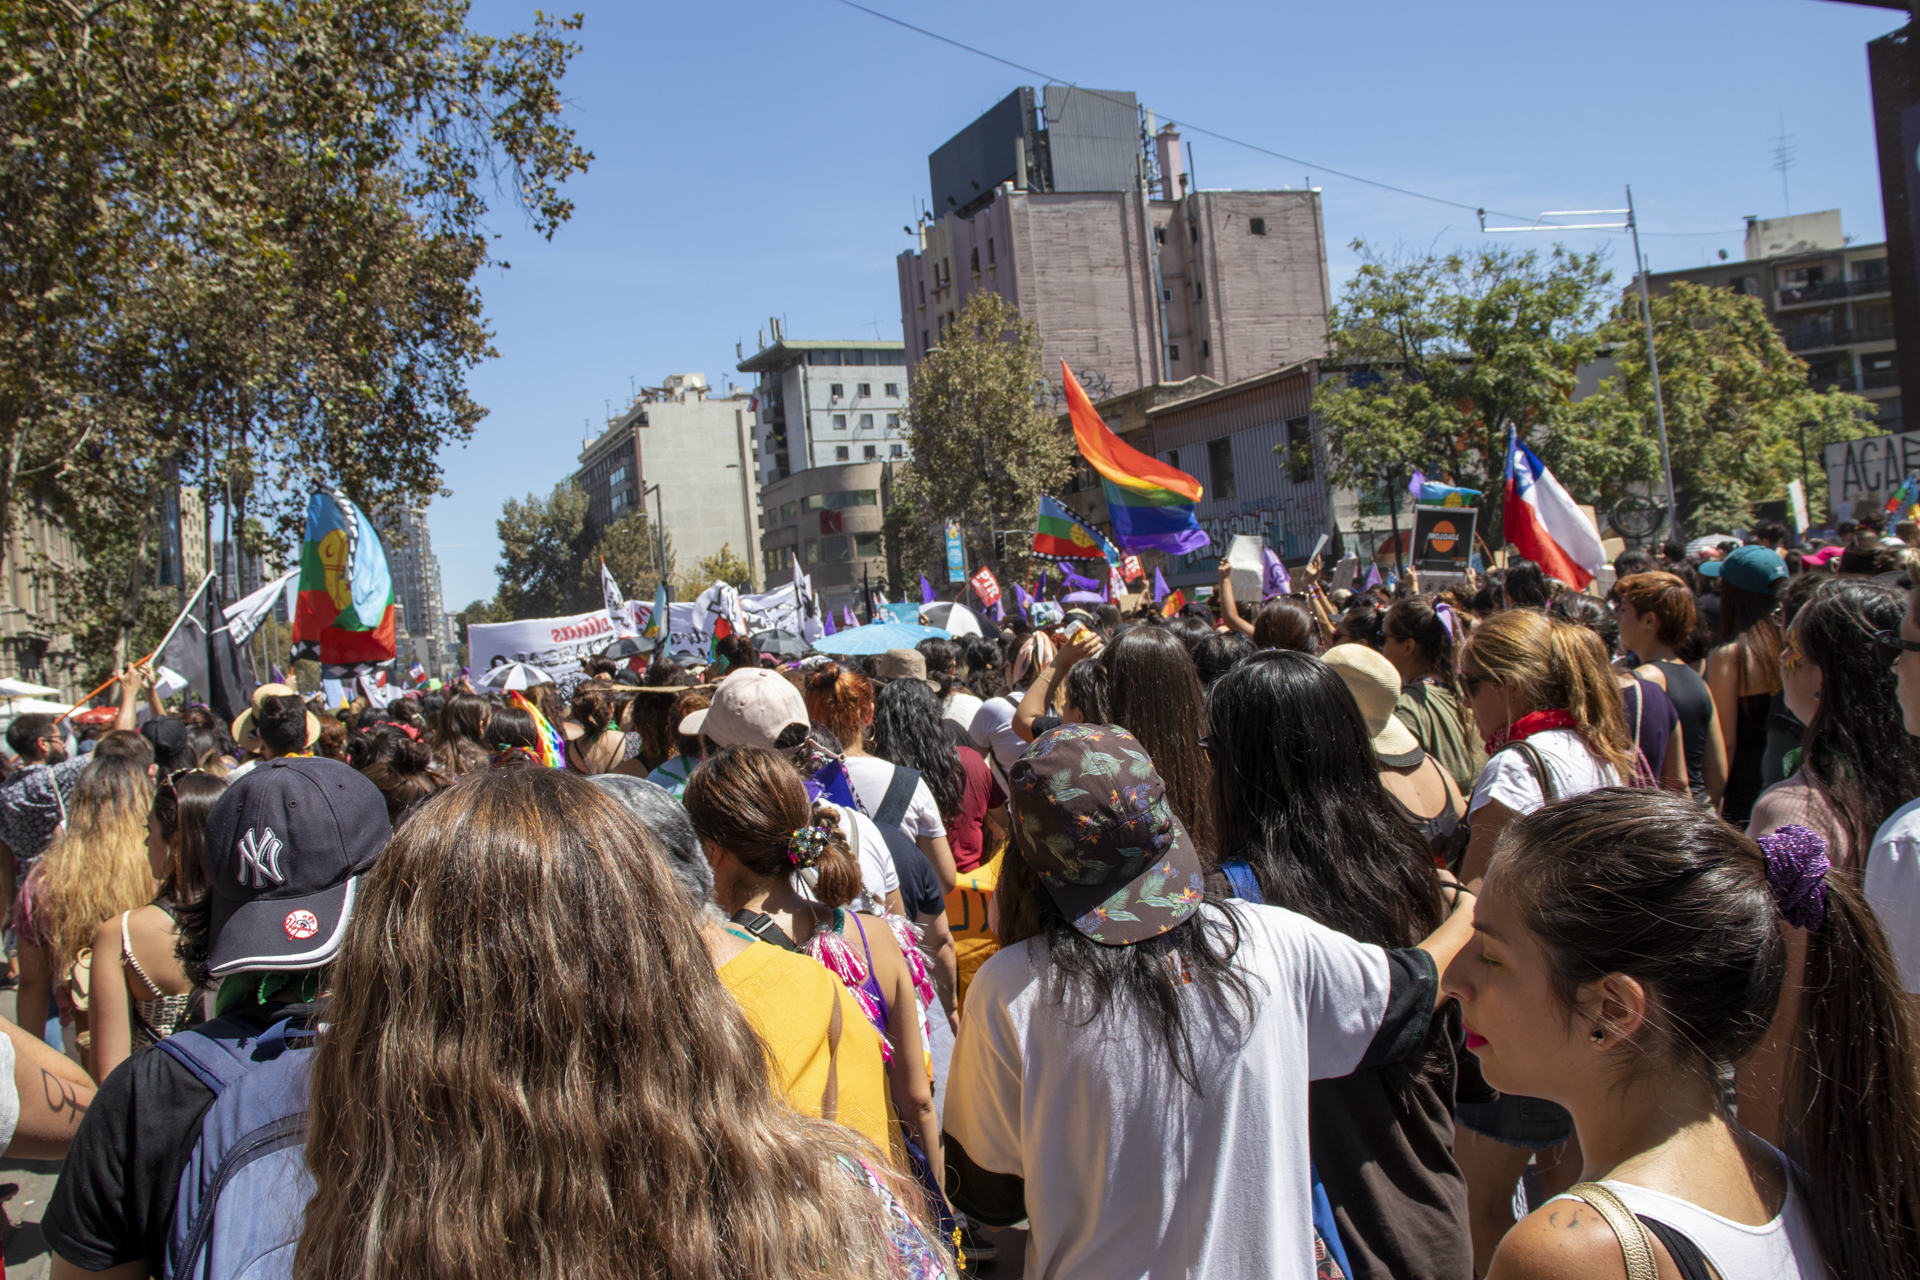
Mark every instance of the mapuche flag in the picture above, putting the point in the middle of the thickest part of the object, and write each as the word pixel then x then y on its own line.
pixel 1149 502
pixel 343 616
pixel 1062 533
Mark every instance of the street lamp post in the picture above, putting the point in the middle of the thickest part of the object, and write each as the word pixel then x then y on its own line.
pixel 1632 225
pixel 659 535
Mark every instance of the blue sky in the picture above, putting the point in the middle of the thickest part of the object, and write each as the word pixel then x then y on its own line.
pixel 758 158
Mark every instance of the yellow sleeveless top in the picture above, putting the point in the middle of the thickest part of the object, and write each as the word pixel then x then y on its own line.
pixel 789 1000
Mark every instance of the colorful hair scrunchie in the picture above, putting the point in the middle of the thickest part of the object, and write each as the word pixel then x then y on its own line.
pixel 1444 611
pixel 1797 867
pixel 806 846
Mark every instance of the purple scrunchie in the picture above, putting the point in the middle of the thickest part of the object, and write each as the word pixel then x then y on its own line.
pixel 1444 611
pixel 1797 867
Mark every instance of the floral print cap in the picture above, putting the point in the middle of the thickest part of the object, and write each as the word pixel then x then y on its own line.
pixel 1092 818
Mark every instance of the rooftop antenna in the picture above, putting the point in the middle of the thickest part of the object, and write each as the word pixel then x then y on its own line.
pixel 1783 160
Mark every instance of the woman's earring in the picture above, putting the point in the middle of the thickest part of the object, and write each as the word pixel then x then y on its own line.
pixel 1599 1036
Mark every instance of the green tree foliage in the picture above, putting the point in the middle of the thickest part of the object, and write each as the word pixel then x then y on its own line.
pixel 238 246
pixel 1738 406
pixel 983 448
pixel 1442 351
pixel 722 566
pixel 550 556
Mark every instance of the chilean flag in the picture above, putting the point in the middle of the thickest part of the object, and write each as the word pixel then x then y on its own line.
pixel 1542 520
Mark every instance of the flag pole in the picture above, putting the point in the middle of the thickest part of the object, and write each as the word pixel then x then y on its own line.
pixel 104 685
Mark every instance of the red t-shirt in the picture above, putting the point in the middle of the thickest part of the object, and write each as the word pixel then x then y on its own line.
pixel 979 792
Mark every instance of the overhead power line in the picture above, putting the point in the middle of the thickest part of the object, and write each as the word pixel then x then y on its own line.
pixel 1211 133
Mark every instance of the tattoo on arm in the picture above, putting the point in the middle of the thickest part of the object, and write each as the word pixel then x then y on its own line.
pixel 61 1095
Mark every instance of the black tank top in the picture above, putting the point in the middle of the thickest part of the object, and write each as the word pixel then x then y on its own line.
pixel 1688 693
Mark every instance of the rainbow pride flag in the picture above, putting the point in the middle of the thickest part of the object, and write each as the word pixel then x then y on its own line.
pixel 1149 502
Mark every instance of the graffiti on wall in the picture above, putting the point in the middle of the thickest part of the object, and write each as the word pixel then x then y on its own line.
pixel 1289 523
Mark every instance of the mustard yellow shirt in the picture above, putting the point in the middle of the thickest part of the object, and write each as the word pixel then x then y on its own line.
pixel 789 1000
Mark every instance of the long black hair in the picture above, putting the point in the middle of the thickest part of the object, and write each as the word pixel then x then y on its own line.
pixel 1413 618
pixel 1153 692
pixel 1299 797
pixel 1855 749
pixel 1146 980
pixel 986 669
pixel 1651 885
pixel 907 730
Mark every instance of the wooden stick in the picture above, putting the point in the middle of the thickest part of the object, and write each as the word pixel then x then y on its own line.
pixel 114 679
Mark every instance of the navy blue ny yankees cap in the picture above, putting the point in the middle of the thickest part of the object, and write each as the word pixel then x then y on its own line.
pixel 287 846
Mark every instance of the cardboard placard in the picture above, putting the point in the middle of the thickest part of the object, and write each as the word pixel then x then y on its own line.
pixel 1243 559
pixel 1443 538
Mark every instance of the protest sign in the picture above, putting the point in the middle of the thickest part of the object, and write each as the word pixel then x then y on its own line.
pixel 1443 538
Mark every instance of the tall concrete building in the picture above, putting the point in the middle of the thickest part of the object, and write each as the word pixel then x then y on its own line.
pixel 1832 302
pixel 827 432
pixel 1086 220
pixel 693 452
pixel 420 630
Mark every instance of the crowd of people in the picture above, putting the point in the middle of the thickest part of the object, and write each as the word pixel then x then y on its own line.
pixel 1502 930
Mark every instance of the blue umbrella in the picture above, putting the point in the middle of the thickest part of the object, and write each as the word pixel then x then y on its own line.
pixel 877 637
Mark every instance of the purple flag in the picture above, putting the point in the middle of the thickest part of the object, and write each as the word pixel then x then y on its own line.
pixel 1075 582
pixel 1159 586
pixel 1021 599
pixel 846 614
pixel 1373 577
pixel 999 609
pixel 826 623
pixel 926 590
pixel 1417 486
pixel 1273 575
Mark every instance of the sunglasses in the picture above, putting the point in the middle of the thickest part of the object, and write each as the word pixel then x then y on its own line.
pixel 1890 640
pixel 1472 683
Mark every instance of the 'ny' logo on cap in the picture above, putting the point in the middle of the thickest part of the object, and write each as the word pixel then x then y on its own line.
pixel 260 858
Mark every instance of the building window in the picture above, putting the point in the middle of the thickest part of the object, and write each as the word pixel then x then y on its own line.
pixel 839 501
pixel 926 347
pixel 1199 291
pixel 1173 351
pixel 839 422
pixel 1173 459
pixel 1220 463
pixel 1299 450
pixel 1160 235
pixel 896 452
pixel 1166 295
pixel 788 510
pixel 893 422
pixel 619 474
pixel 1258 226
pixel 839 453
pixel 866 422
pixel 923 292
pixel 833 548
pixel 866 545
pixel 893 389
pixel 813 552
pixel 866 388
pixel 1206 348
pixel 973 260
pixel 989 250
pixel 1193 232
pixel 869 452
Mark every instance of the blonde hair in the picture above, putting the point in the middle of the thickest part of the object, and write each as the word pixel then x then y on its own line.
pixel 1556 665
pixel 97 865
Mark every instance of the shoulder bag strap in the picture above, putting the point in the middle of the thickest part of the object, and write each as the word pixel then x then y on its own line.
pixel 893 805
pixel 1635 1243
pixel 1240 875
pixel 763 928
pixel 1542 772
pixel 830 1096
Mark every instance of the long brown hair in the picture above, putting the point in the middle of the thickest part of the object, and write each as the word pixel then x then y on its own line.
pixel 1650 884
pixel 1750 622
pixel 750 802
pixel 180 807
pixel 460 738
pixel 1556 665
pixel 603 1111
pixel 1153 692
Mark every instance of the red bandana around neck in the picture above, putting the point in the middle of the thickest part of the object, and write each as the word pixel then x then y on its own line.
pixel 1529 724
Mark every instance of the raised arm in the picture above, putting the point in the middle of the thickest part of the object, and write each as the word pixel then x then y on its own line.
pixel 1229 609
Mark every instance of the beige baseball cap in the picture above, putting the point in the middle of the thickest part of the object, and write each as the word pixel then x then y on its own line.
pixel 243 724
pixel 751 708
pixel 1375 685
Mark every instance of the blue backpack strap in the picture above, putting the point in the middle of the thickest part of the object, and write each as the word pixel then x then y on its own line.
pixel 1240 875
pixel 1324 1224
pixel 221 1051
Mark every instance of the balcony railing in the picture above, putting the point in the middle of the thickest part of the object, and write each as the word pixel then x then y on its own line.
pixel 1832 291
pixel 1844 381
pixel 1875 379
pixel 1839 337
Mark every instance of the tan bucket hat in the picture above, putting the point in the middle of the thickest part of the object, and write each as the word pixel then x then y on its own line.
pixel 1375 685
pixel 243 725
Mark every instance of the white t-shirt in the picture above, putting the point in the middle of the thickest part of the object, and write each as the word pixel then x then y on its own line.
pixel 961 708
pixel 1508 778
pixel 1893 888
pixel 992 732
pixel 877 875
pixel 1129 1171
pixel 870 777
pixel 9 1095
